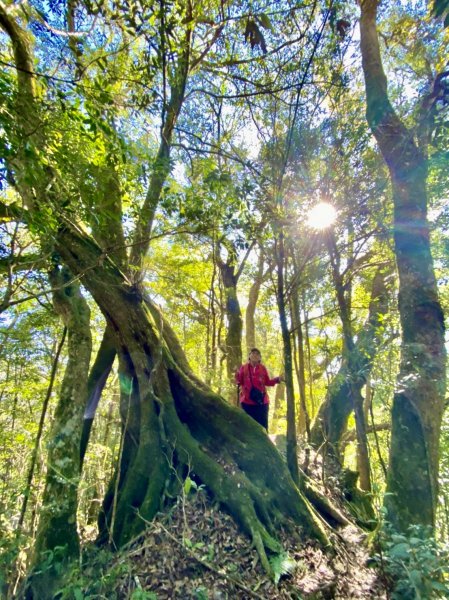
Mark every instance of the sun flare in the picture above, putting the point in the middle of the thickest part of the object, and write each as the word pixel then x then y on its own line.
pixel 321 216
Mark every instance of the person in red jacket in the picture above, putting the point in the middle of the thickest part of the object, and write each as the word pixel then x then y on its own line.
pixel 252 379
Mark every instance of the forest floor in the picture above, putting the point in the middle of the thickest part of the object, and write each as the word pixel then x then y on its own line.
pixel 196 552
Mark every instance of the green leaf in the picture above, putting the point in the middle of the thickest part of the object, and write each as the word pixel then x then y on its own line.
pixel 282 564
pixel 400 551
pixel 78 594
pixel 264 21
pixel 415 576
pixel 436 585
pixel 187 486
pixel 201 593
pixel 143 595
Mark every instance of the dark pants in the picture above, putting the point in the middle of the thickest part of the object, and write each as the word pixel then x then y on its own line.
pixel 259 412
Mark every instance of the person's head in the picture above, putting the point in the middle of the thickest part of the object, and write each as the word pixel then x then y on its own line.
pixel 255 356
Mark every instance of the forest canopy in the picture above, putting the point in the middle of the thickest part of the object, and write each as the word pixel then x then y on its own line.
pixel 183 181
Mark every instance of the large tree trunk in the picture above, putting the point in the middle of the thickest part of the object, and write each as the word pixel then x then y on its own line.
pixel 169 417
pixel 419 401
pixel 167 411
pixel 98 377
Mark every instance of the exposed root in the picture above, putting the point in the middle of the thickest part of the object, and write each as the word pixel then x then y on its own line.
pixel 219 425
pixel 229 489
pixel 322 504
pixel 226 449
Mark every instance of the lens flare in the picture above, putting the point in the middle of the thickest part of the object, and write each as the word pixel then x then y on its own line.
pixel 321 216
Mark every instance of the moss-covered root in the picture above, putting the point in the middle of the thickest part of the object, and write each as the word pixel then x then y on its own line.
pixel 218 425
pixel 226 488
pixel 322 504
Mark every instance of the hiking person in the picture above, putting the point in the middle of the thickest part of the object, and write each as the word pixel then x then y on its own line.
pixel 252 379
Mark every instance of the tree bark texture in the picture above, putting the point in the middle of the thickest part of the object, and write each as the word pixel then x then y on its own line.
pixel 419 400
pixel 168 412
pixel 233 344
pixel 330 424
pixel 57 529
pixel 292 451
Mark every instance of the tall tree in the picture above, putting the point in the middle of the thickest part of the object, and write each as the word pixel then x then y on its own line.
pixel 165 408
pixel 57 523
pixel 419 401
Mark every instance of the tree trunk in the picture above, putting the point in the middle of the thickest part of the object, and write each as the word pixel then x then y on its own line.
pixel 253 296
pixel 331 421
pixel 308 358
pixel 37 443
pixel 304 417
pixel 211 341
pixel 233 344
pixel 167 411
pixel 292 452
pixel 57 531
pixel 355 380
pixel 279 400
pixel 98 377
pixel 412 483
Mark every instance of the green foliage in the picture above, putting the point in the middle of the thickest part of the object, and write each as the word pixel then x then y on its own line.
pixel 101 139
pixel 140 594
pixel 201 593
pixel 414 564
pixel 11 547
pixel 191 485
pixel 98 575
pixel 282 564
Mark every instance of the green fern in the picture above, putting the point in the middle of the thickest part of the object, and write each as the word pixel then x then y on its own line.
pixel 282 564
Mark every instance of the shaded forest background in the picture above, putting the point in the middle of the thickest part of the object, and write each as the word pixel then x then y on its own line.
pixel 163 159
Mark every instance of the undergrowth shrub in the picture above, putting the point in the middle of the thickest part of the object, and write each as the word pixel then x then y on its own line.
pixel 414 565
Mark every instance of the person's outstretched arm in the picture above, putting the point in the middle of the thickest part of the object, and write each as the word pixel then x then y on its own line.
pixel 270 382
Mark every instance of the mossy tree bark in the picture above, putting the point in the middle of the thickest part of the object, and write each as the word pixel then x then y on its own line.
pixel 170 415
pixel 230 274
pixel 57 530
pixel 109 230
pixel 419 401
pixel 331 422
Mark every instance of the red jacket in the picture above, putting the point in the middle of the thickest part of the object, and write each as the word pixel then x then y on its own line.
pixel 260 379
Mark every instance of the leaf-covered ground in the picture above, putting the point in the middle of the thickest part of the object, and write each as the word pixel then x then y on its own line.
pixel 197 552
